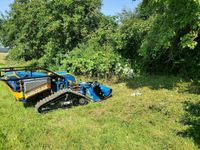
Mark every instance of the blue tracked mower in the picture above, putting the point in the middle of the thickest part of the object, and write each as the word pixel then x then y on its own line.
pixel 50 90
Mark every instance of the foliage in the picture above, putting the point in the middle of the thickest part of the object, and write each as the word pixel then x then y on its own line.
pixel 161 36
pixel 173 41
pixel 131 33
pixel 97 56
pixel 37 29
pixel 96 61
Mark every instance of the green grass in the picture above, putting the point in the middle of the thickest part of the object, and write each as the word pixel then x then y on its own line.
pixel 149 121
pixel 2 58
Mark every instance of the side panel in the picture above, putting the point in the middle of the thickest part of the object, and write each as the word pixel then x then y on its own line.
pixel 31 84
pixel 33 87
pixel 37 90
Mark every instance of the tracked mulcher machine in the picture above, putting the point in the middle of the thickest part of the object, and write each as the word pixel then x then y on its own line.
pixel 50 90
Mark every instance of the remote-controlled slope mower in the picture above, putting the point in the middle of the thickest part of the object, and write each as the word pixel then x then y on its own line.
pixel 50 90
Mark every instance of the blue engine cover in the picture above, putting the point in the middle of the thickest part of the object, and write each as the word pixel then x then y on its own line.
pixel 95 90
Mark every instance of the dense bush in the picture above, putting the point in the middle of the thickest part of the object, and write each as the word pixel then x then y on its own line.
pixel 172 44
pixel 34 29
pixel 131 32
pixel 97 61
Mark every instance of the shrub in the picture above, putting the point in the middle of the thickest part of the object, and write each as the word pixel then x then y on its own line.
pixel 96 61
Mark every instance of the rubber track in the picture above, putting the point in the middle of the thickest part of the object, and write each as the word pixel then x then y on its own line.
pixel 76 93
pixel 49 98
pixel 56 95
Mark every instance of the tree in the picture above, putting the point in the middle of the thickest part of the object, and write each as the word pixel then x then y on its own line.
pixel 36 29
pixel 173 41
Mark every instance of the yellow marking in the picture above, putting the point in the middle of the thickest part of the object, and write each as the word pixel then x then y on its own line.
pixel 14 74
pixel 17 95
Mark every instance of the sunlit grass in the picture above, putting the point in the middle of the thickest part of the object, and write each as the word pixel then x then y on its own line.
pixel 2 58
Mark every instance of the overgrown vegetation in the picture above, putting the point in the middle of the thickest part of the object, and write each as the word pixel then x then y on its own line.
pixel 159 37
pixel 42 29
pixel 88 60
pixel 172 43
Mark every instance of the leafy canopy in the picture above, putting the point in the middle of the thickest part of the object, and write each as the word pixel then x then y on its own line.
pixel 35 28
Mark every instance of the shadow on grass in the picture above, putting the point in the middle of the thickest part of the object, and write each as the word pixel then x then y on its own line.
pixel 192 120
pixel 156 82
pixel 29 104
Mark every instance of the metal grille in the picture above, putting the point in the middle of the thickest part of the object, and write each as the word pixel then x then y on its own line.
pixel 31 84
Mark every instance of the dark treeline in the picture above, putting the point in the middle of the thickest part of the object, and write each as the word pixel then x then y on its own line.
pixel 160 36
